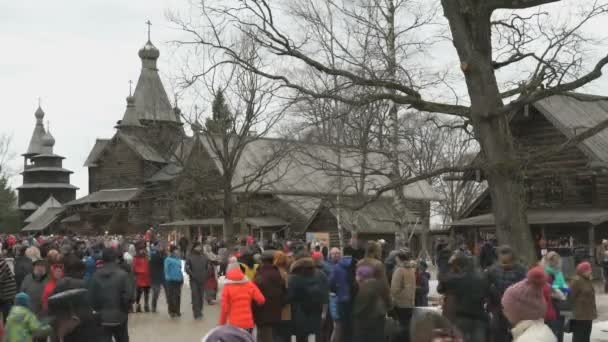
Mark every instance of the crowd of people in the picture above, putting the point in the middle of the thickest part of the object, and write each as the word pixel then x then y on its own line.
pixel 70 289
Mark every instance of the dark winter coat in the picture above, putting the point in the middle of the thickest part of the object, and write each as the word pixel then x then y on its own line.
pixel 371 304
pixel 157 268
pixel 582 294
pixel 23 267
pixel 422 288
pixel 89 328
pixel 466 294
pixel 271 284
pixel 197 267
pixel 500 277
pixel 443 260
pixel 487 255
pixel 307 292
pixel 34 287
pixel 111 291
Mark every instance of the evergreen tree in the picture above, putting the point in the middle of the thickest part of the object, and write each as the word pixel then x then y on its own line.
pixel 9 215
pixel 221 120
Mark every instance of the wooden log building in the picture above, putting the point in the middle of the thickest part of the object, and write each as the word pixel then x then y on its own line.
pixel 567 191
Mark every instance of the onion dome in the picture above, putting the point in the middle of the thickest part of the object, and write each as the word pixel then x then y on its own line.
pixel 39 113
pixel 48 140
pixel 149 51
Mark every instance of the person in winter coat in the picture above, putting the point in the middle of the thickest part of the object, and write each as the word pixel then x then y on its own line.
pixel 524 306
pixel 22 325
pixel 238 295
pixel 111 293
pixel 174 280
pixel 210 287
pixel 403 289
pixel 422 285
pixel 307 292
pixel 551 314
pixel 268 279
pixel 157 274
pixel 22 266
pixel 141 268
pixel 487 255
pixel 248 265
pixel 553 267
pixel 503 274
pixel 84 325
pixel 465 291
pixel 342 286
pixel 282 329
pixel 373 258
pixel 33 285
pixel 197 268
pixel 7 287
pixel 583 299
pixel 370 307
pixel 56 273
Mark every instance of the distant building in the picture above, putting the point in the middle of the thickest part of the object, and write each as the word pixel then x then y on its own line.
pixel 150 173
pixel 566 192
pixel 46 184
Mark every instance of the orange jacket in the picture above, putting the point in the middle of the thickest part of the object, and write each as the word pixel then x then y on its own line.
pixel 237 295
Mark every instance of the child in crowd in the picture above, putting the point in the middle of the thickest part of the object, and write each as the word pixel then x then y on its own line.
pixel 237 296
pixel 22 325
pixel 422 284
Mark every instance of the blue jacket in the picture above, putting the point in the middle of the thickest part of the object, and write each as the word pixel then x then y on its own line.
pixel 173 269
pixel 340 281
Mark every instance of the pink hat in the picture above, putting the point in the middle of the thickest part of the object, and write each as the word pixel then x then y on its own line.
pixel 583 267
pixel 317 255
pixel 524 300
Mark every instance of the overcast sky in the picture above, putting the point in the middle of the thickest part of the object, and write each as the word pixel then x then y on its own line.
pixel 78 57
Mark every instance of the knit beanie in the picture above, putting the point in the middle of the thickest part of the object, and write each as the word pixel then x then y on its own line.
pixel 583 267
pixel 22 299
pixel 524 300
pixel 228 333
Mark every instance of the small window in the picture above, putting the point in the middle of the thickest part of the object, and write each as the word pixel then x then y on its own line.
pixel 554 191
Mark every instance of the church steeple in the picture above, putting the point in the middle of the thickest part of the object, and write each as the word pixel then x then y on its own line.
pixel 48 141
pixel 35 145
pixel 151 100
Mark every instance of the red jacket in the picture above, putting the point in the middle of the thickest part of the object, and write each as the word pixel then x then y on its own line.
pixel 141 268
pixel 237 295
pixel 551 314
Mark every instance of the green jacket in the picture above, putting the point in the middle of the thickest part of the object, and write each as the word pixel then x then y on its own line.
pixel 558 277
pixel 22 325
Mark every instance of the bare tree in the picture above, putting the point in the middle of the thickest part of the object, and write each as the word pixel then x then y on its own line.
pixel 472 28
pixel 244 109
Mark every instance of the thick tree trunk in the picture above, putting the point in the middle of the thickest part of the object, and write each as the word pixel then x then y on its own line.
pixel 471 32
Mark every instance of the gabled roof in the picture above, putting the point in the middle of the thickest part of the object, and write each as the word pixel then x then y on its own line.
pixel 298 168
pixel 107 196
pixel 377 217
pixel 28 206
pixel 100 145
pixel 167 173
pixel 141 148
pixel 572 114
pixel 145 151
pixel 44 220
pixel 592 216
pixel 51 202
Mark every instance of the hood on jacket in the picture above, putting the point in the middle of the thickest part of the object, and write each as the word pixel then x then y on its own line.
pixel 305 262
pixel 108 270
pixel 236 276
